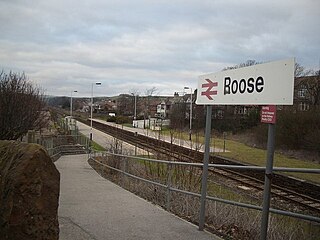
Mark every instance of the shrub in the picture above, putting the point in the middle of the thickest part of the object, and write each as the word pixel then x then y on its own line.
pixel 118 119
pixel 122 119
pixel 111 119
pixel 294 130
pixel 20 105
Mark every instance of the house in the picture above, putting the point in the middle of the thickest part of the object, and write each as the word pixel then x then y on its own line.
pixel 163 109
pixel 306 92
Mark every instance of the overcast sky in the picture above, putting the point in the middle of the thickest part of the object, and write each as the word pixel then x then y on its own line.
pixel 134 45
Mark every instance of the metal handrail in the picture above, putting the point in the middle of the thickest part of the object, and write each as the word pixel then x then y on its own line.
pixel 250 206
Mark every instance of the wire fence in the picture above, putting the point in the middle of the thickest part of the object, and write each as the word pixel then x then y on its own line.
pixel 169 183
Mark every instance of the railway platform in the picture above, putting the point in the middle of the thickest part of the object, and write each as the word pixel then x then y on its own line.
pixel 93 208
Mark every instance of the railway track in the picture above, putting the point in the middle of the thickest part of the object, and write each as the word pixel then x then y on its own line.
pixel 284 189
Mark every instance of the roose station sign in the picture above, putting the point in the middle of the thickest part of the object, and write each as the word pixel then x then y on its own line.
pixel 264 84
pixel 269 83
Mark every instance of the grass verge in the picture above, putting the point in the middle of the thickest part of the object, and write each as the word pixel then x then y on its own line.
pixel 255 156
pixel 95 146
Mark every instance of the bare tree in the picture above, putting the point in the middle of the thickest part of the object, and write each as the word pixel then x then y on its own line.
pixel 178 121
pixel 241 65
pixel 178 116
pixel 146 112
pixel 301 71
pixel 43 121
pixel 135 96
pixel 298 70
pixel 124 105
pixel 312 85
pixel 20 105
pixel 151 91
pixel 311 82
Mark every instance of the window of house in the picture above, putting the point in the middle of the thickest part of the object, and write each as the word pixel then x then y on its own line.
pixel 302 92
pixel 304 106
pixel 220 114
pixel 239 110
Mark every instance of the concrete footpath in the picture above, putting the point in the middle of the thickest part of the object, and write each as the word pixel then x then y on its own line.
pixel 106 140
pixel 93 208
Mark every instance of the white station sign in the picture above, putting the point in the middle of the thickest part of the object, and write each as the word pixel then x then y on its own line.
pixel 263 84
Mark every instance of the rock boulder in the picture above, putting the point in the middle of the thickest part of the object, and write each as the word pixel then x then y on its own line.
pixel 29 192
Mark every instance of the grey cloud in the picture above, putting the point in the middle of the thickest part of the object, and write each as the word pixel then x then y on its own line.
pixel 64 44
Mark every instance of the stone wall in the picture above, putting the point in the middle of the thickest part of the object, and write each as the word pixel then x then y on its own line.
pixel 29 192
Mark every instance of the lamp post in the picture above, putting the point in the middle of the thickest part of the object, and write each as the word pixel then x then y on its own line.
pixel 71 103
pixel 97 83
pixel 135 110
pixel 190 126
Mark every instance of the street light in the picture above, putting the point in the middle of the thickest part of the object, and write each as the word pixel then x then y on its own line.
pixel 97 83
pixel 135 109
pixel 71 103
pixel 190 127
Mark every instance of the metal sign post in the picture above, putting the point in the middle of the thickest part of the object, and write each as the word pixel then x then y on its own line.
pixel 205 168
pixel 267 182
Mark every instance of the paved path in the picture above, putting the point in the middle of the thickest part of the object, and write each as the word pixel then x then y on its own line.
pixel 93 208
pixel 107 141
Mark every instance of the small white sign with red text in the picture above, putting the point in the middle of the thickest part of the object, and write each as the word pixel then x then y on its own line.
pixel 268 114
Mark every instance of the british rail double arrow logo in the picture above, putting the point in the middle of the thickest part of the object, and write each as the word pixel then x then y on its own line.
pixel 209 85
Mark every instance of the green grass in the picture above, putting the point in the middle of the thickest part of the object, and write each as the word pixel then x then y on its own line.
pixel 250 155
pixel 159 170
pixel 127 125
pixel 220 191
pixel 97 147
pixel 255 156
pixel 104 118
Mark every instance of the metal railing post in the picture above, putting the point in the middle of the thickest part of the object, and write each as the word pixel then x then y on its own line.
pixel 124 168
pixel 169 186
pixel 267 183
pixel 205 169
